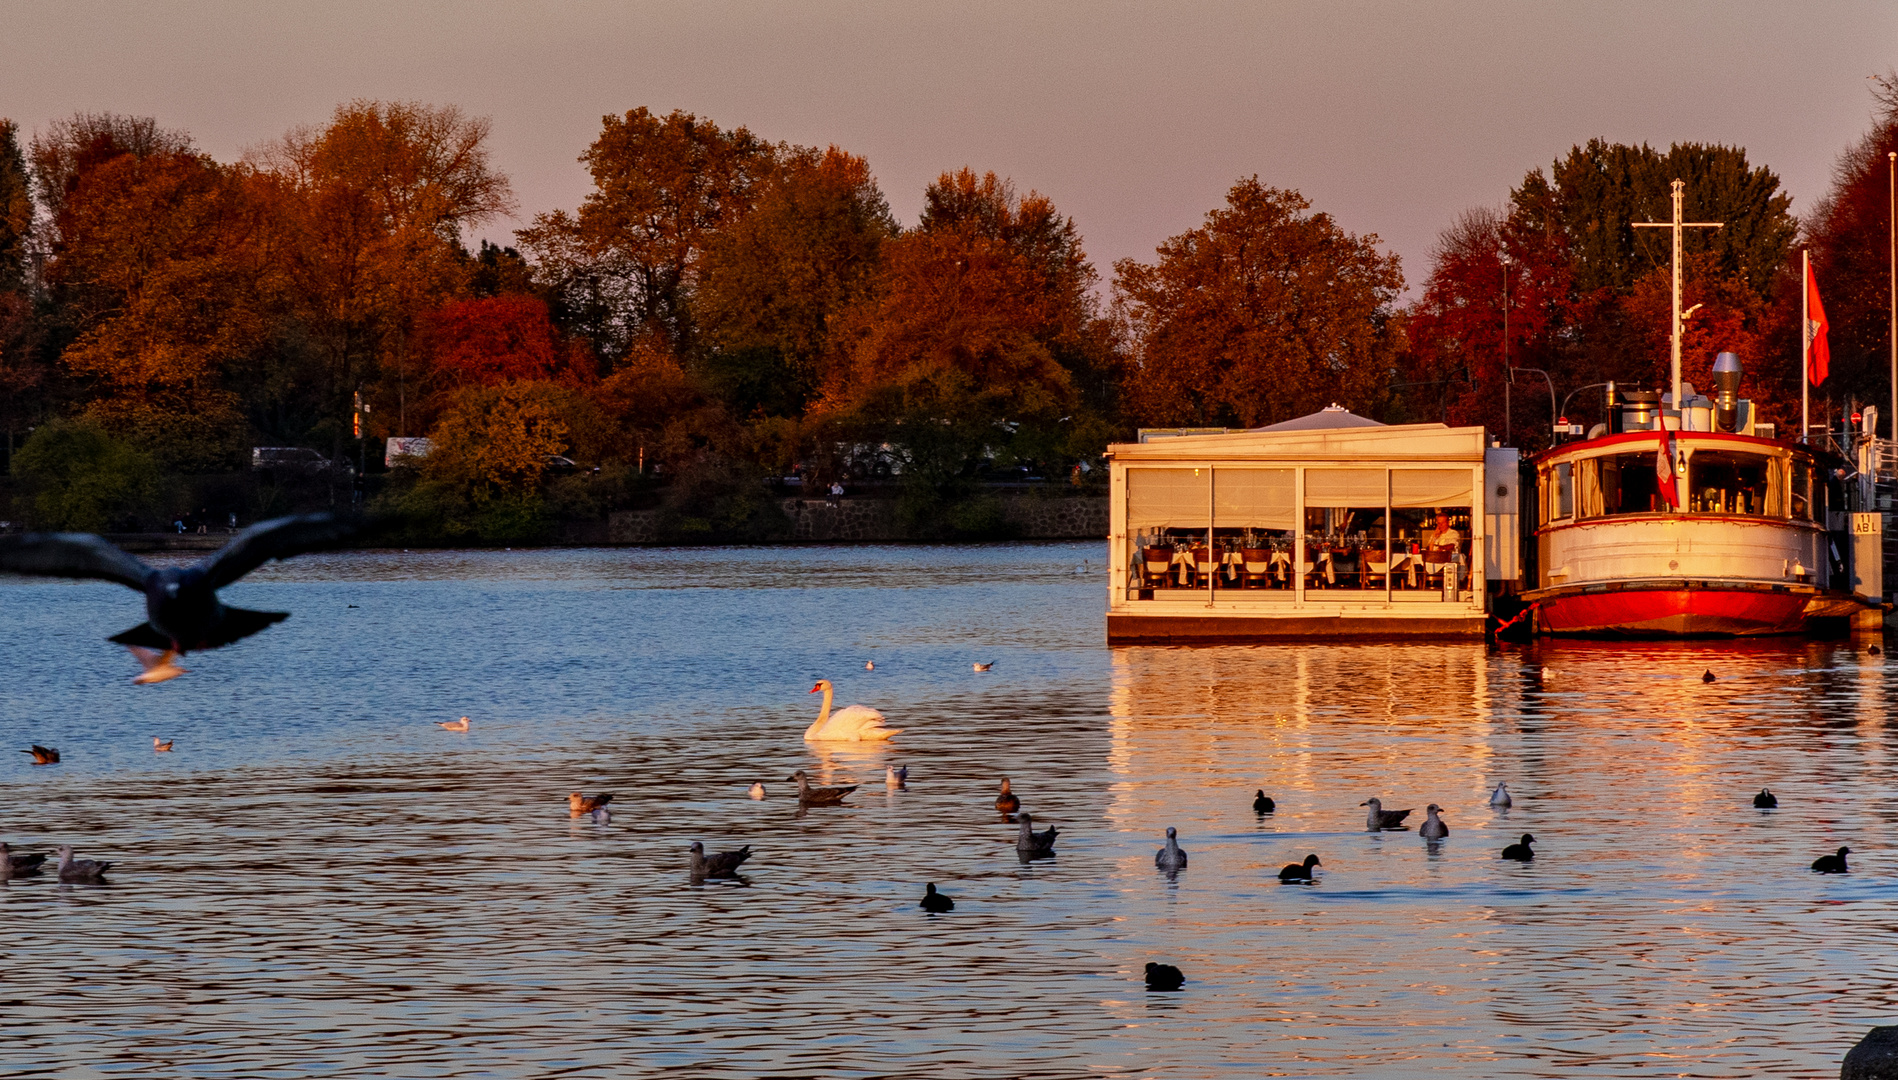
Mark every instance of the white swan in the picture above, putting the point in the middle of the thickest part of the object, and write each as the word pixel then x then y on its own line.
pixel 852 723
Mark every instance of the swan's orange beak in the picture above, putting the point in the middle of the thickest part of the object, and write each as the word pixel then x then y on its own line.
pixel 815 689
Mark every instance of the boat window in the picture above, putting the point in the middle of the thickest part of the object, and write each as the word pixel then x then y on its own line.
pixel 1802 491
pixel 1725 482
pixel 1561 493
pixel 1627 485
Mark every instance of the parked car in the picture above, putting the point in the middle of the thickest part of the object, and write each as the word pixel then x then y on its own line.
pixel 561 466
pixel 290 460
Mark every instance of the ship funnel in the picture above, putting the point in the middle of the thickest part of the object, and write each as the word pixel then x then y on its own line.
pixel 1726 381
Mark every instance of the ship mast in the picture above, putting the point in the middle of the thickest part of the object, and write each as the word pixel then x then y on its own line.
pixel 1677 225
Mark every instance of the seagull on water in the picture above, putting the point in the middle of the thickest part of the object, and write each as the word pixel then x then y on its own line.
pixel 1433 827
pixel 12 865
pixel 756 790
pixel 724 864
pixel 983 667
pixel 1035 845
pixel 1007 802
pixel 1500 797
pixel 43 755
pixel 161 747
pixel 71 869
pixel 895 777
pixel 1380 818
pixel 453 725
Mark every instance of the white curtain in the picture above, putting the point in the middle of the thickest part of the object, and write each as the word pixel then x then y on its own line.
pixel 1430 487
pixel 1360 488
pixel 1166 498
pixel 1254 498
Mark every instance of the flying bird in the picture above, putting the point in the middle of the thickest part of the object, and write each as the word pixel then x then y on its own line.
pixel 1521 852
pixel 1170 858
pixel 162 747
pixel 1832 864
pixel 817 796
pixel 43 755
pixel 723 864
pixel 71 869
pixel 1299 871
pixel 182 610
pixel 453 725
pixel 157 666
pixel 1164 977
pixel 1380 818
pixel 1765 800
pixel 579 806
pixel 1262 803
pixel 934 902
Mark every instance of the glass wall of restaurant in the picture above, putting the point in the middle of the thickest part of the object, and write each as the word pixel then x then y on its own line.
pixel 1392 534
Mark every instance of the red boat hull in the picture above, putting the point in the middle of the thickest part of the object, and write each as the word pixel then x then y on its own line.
pixel 1674 613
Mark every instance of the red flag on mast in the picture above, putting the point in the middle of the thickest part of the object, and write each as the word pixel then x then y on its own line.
pixel 1664 467
pixel 1818 354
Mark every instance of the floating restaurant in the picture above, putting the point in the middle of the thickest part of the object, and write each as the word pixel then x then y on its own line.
pixel 1329 524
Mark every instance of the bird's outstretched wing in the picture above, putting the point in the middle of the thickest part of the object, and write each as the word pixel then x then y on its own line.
pixel 279 538
pixel 71 555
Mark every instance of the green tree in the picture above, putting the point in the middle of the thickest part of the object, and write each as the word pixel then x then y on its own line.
pixel 1266 312
pixel 79 477
pixel 21 370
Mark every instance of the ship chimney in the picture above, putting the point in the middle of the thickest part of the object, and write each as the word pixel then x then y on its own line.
pixel 1726 381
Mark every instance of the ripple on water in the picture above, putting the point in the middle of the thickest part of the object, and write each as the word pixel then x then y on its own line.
pixel 320 882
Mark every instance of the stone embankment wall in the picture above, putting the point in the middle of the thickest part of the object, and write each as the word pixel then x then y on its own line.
pixel 874 520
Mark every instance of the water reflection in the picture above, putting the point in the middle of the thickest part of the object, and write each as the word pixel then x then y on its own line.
pixel 319 880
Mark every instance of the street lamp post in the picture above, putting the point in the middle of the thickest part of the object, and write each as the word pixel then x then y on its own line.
pixel 1509 376
pixel 1891 182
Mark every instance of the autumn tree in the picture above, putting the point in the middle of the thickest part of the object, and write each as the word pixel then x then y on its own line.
pixel 959 349
pixel 1266 312
pixel 1849 234
pixel 369 210
pixel 157 276
pixel 20 370
pixel 774 280
pixel 627 262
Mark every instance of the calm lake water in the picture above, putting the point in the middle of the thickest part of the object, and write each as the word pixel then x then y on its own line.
pixel 320 882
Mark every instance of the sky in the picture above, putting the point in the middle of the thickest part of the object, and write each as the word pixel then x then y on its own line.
pixel 1134 117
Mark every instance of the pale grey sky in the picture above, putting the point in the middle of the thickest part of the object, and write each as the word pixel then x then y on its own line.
pixel 1135 117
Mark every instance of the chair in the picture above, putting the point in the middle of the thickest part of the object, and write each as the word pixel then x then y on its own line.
pixel 1154 564
pixel 1257 564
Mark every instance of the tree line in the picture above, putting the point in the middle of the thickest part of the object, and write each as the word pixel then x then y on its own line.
pixel 721 310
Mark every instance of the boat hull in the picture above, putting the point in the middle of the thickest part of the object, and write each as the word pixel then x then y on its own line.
pixel 1674 612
